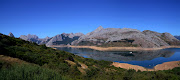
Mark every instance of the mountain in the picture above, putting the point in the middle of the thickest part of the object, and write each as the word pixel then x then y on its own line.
pixel 126 37
pixel 10 34
pixel 60 39
pixel 20 59
pixel 29 37
pixel 64 39
pixel 178 37
pixel 44 40
pixel 23 60
pixel 109 37
pixel 34 38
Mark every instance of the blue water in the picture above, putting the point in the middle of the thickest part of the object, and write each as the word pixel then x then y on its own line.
pixel 147 59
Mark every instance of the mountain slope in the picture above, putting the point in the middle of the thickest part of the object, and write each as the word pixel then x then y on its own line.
pixel 60 63
pixel 34 38
pixel 63 39
pixel 48 57
pixel 126 37
pixel 109 37
pixel 60 39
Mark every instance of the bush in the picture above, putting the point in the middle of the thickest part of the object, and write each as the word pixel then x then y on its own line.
pixel 28 72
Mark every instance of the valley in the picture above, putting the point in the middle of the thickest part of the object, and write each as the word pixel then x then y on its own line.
pixel 41 62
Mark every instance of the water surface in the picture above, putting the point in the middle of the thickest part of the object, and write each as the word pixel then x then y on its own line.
pixel 147 59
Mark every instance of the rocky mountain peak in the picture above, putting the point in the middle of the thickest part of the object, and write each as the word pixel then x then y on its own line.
pixel 47 37
pixel 10 34
pixel 114 37
pixel 32 36
pixel 98 29
pixel 79 34
pixel 126 37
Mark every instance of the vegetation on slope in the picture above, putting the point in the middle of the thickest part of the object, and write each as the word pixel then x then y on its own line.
pixel 55 64
pixel 27 72
pixel 119 43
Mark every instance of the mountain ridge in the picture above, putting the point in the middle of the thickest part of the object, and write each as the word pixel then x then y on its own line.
pixel 49 41
pixel 44 63
pixel 109 37
pixel 126 37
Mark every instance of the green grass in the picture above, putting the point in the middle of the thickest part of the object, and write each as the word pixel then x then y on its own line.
pixel 28 72
pixel 51 64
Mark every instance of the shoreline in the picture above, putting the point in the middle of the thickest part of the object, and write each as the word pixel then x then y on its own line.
pixel 163 66
pixel 119 48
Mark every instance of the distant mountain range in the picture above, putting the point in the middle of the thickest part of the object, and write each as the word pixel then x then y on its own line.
pixel 108 37
pixel 126 37
pixel 178 37
pixel 60 39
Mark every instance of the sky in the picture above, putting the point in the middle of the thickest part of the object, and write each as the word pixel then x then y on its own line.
pixel 51 17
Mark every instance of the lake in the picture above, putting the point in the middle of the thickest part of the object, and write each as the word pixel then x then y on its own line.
pixel 147 59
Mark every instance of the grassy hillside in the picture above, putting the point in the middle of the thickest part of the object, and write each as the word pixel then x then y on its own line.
pixel 46 63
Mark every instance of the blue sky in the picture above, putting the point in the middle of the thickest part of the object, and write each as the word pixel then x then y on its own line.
pixel 51 17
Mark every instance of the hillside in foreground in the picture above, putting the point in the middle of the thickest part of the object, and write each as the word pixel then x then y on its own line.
pixel 23 60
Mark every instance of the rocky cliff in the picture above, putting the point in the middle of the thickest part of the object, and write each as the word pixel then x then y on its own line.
pixel 34 38
pixel 126 37
pixel 31 38
pixel 109 37
pixel 64 39
pixel 60 39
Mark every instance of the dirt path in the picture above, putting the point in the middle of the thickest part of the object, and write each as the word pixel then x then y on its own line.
pixel 164 66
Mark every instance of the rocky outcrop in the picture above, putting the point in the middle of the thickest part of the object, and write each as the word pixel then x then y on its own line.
pixel 109 37
pixel 60 39
pixel 125 37
pixel 64 39
pixel 32 38
pixel 10 34
pixel 36 39
pixel 44 40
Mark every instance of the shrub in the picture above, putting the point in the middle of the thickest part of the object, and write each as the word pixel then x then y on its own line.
pixel 28 72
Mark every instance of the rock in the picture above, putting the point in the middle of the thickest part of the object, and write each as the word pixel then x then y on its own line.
pixel 44 40
pixel 34 38
pixel 125 37
pixel 78 34
pixel 31 38
pixel 109 37
pixel 60 39
pixel 64 39
pixel 54 39
pixel 10 34
pixel 169 37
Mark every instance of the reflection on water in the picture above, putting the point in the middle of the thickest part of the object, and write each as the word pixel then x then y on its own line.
pixel 146 59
